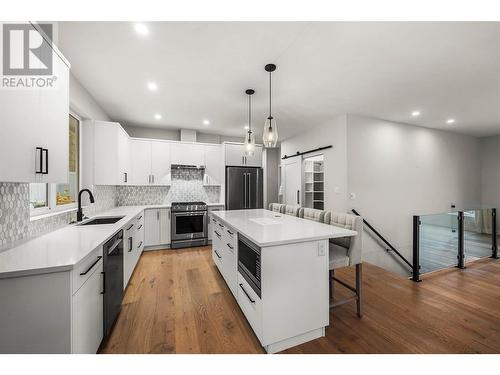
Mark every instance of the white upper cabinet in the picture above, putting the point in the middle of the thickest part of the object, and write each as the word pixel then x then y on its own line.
pixel 150 162
pixel 32 118
pixel 112 154
pixel 214 165
pixel 187 154
pixel 160 162
pixel 140 162
pixel 235 156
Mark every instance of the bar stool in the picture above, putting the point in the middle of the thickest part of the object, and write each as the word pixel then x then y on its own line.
pixel 345 252
pixel 312 214
pixel 276 207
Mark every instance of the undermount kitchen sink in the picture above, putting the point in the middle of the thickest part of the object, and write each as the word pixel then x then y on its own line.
pixel 103 220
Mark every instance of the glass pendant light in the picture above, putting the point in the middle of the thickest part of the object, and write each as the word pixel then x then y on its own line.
pixel 270 135
pixel 249 136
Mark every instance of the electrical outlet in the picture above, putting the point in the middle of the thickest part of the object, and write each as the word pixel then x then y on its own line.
pixel 321 249
pixel 352 196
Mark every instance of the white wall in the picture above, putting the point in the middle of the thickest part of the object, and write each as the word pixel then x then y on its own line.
pixel 83 103
pixel 331 133
pixel 490 171
pixel 395 171
pixel 270 163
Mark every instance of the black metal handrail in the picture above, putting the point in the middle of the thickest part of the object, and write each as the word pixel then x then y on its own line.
pixel 384 240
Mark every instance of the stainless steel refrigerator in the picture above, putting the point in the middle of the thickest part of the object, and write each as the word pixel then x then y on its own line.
pixel 244 188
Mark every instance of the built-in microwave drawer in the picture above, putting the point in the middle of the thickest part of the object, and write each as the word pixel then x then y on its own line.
pixel 250 304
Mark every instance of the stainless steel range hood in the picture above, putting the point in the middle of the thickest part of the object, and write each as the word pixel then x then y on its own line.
pixel 186 166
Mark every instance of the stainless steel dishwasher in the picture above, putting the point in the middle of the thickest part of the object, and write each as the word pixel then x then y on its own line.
pixel 113 280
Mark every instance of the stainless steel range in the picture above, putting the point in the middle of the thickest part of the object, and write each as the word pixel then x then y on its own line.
pixel 189 224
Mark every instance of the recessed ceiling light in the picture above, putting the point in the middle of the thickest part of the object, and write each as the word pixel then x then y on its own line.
pixel 450 121
pixel 206 122
pixel 158 116
pixel 141 29
pixel 152 86
pixel 415 113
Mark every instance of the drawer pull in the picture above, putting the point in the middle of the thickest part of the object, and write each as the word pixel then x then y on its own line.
pixel 139 218
pixel 220 225
pixel 216 253
pixel 248 296
pixel 217 233
pixel 214 220
pixel 130 227
pixel 139 228
pixel 139 245
pixel 229 245
pixel 231 233
pixel 91 266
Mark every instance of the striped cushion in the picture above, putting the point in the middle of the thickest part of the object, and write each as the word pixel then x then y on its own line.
pixel 312 214
pixel 275 207
pixel 340 220
pixel 291 210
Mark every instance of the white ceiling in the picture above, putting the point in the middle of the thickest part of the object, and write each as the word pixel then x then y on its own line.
pixel 385 70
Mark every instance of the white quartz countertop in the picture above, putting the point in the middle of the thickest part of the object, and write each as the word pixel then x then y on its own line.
pixel 267 228
pixel 61 249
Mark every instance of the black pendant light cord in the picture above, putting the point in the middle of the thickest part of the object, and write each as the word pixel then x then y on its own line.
pixel 270 95
pixel 249 113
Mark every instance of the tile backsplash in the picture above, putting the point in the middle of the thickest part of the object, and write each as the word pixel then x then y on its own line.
pixel 186 185
pixel 16 226
pixel 15 223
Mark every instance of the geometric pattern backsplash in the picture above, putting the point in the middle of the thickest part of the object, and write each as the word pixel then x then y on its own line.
pixel 15 224
pixel 186 185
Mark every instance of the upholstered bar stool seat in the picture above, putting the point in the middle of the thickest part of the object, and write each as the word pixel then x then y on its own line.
pixel 276 207
pixel 291 210
pixel 312 214
pixel 344 252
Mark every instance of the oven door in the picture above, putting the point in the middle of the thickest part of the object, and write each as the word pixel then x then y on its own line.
pixel 189 225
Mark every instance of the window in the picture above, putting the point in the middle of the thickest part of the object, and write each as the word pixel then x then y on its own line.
pixel 45 198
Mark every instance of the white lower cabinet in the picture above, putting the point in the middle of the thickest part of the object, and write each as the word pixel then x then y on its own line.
pixel 225 253
pixel 134 244
pixel 157 227
pixel 251 305
pixel 87 310
pixel 212 220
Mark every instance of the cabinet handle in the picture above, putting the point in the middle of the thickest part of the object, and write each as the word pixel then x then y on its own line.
pixel 139 246
pixel 169 214
pixel 103 282
pixel 139 227
pixel 139 218
pixel 39 153
pixel 229 245
pixel 217 233
pixel 153 179
pixel 130 227
pixel 216 253
pixel 220 225
pixel 248 295
pixel 129 244
pixel 125 177
pixel 46 151
pixel 157 215
pixel 298 196
pixel 91 266
pixel 231 233
pixel 214 220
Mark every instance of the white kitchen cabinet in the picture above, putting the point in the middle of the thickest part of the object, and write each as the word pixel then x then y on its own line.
pixel 140 162
pixel 212 221
pixel 36 117
pixel 150 162
pixel 87 314
pixel 112 154
pixel 160 162
pixel 187 153
pixel 235 156
pixel 214 165
pixel 133 245
pixel 157 227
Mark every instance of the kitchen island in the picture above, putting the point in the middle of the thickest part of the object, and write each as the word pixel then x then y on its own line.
pixel 276 266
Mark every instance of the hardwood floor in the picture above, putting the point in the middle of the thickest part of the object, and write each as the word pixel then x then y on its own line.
pixel 177 302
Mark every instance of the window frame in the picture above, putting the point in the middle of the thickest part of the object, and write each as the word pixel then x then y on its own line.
pixel 52 207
